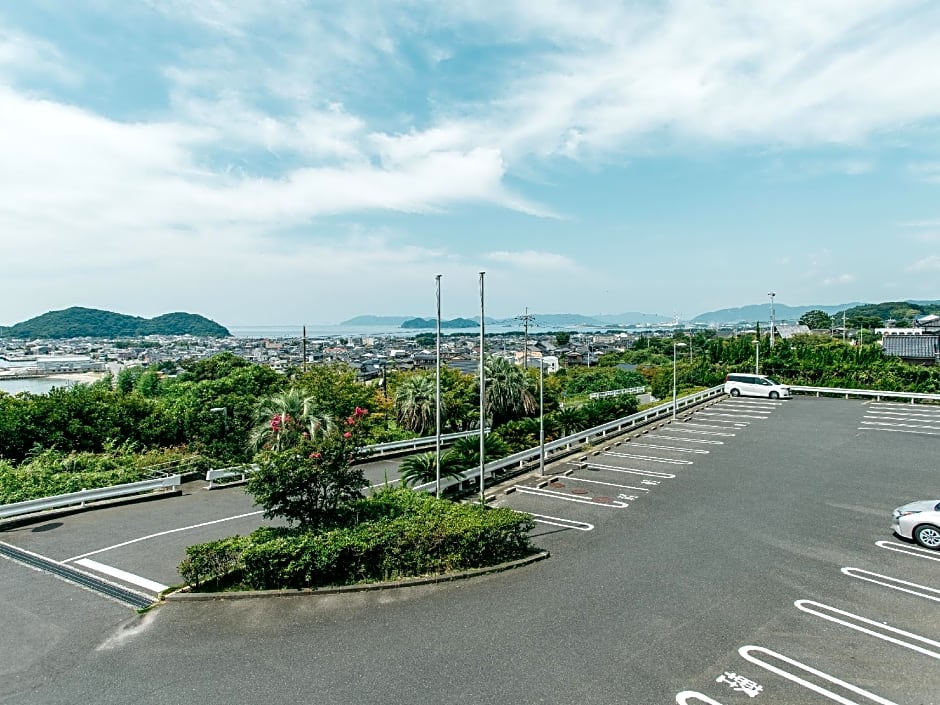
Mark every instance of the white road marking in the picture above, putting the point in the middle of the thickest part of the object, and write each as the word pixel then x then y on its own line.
pixel 899 430
pixel 747 654
pixel 631 471
pixel 736 424
pixel 634 444
pixel 893 583
pixel 909 550
pixel 613 504
pixel 651 458
pixel 901 425
pixel 810 607
pixel 688 696
pixel 162 533
pixel 122 575
pixel 877 413
pixel 731 415
pixel 609 484
pixel 723 433
pixel 558 521
pixel 684 440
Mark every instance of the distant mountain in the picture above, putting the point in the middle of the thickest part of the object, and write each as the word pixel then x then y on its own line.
pixel 77 322
pixel 897 310
pixel 761 312
pixel 376 321
pixel 427 323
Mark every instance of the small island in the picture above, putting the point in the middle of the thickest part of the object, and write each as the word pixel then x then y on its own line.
pixel 424 323
pixel 78 322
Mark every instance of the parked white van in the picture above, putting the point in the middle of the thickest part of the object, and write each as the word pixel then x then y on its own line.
pixel 744 385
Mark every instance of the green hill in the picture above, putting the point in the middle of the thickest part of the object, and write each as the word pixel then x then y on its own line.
pixel 77 322
pixel 901 311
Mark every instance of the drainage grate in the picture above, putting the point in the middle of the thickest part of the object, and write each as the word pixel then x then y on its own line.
pixel 116 592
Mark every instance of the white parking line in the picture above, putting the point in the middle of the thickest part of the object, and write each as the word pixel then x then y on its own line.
pixel 651 458
pixel 724 432
pixel 613 504
pixel 609 484
pixel 558 521
pixel 901 425
pixel 819 610
pixel 899 414
pixel 684 440
pixel 688 696
pixel 630 471
pixel 162 533
pixel 909 550
pixel 634 444
pixel 122 575
pixel 899 430
pixel 893 583
pixel 731 415
pixel 747 654
pixel 728 423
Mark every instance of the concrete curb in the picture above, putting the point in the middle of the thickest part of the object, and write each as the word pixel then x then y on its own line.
pixel 184 595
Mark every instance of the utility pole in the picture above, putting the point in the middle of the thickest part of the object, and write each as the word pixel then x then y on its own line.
pixel 525 353
pixel 773 318
pixel 303 349
pixel 843 327
pixel 482 395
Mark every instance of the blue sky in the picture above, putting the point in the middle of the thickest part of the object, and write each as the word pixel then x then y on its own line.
pixel 282 161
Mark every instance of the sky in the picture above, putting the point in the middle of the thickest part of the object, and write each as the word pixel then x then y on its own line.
pixel 303 162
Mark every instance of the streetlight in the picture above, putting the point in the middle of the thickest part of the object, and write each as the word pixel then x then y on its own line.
pixel 675 345
pixel 756 344
pixel 773 318
pixel 541 417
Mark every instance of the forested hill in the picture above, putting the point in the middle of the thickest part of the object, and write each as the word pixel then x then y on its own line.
pixel 77 322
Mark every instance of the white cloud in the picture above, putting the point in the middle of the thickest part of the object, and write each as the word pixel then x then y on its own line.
pixel 839 280
pixel 531 259
pixel 930 263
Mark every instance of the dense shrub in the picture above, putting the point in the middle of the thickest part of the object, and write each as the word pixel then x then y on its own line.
pixel 393 534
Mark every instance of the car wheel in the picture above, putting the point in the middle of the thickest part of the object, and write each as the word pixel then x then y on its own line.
pixel 774 395
pixel 927 536
pixel 735 393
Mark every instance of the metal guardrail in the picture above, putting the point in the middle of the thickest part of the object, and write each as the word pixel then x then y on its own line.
pixel 239 471
pixel 380 449
pixel 83 496
pixel 616 392
pixel 563 446
pixel 878 395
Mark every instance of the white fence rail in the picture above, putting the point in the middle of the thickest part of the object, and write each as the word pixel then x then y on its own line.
pixel 878 395
pixel 617 392
pixel 566 445
pixel 83 496
pixel 235 471
pixel 380 449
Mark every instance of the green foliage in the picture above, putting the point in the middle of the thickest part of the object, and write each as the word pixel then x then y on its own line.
pixel 51 472
pixel 508 395
pixel 562 338
pixel 420 468
pixel 399 533
pixel 78 322
pixel 415 402
pixel 816 320
pixel 582 380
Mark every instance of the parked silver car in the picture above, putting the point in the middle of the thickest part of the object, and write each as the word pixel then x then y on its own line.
pixel 919 521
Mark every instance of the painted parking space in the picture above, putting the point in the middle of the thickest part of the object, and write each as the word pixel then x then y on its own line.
pixel 901 418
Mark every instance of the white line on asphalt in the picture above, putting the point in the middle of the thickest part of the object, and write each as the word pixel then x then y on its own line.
pixel 609 484
pixel 901 425
pixel 747 651
pixel 162 533
pixel 810 607
pixel 558 521
pixel 122 575
pixel 634 444
pixel 730 415
pixel 899 414
pixel 688 696
pixel 651 458
pixel 684 440
pixel 893 583
pixel 898 430
pixel 728 423
pixel 629 471
pixel 753 404
pixel 614 504
pixel 909 550
pixel 723 432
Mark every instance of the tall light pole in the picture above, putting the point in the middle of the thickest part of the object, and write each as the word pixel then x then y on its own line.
pixel 675 345
pixel 541 417
pixel 773 317
pixel 756 344
pixel 437 397
pixel 482 396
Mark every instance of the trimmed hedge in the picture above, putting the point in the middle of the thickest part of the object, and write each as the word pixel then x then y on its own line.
pixel 396 533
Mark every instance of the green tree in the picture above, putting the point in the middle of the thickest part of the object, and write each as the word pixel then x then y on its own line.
pixel 284 420
pixel 816 320
pixel 415 402
pixel 422 467
pixel 507 394
pixel 562 338
pixel 311 482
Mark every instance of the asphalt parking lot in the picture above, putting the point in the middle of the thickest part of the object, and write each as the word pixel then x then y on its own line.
pixel 742 554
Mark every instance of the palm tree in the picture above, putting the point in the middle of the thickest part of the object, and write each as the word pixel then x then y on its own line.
pixel 507 394
pixel 465 453
pixel 282 419
pixel 415 405
pixel 570 419
pixel 421 468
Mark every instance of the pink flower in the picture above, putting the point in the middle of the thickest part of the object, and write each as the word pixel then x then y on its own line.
pixel 347 435
pixel 315 456
pixel 360 411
